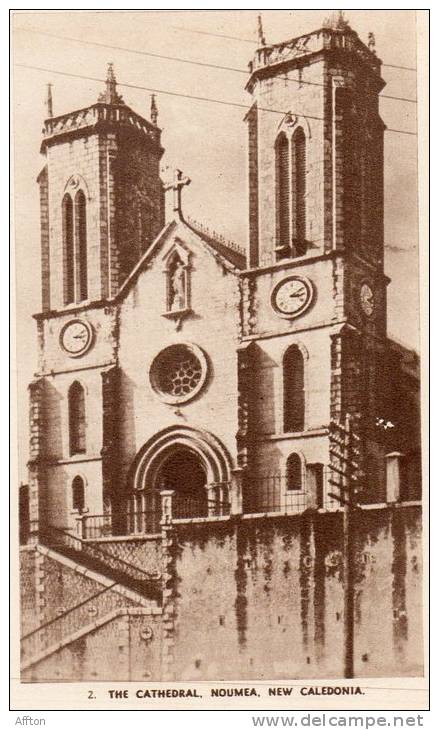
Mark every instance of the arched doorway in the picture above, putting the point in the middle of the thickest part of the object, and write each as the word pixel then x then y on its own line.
pixel 191 463
pixel 183 473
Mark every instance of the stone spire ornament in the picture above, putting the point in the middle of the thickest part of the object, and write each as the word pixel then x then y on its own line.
pixel 261 37
pixel 154 110
pixel 49 101
pixel 110 95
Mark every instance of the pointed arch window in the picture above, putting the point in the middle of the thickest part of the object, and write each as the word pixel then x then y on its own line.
pixel 290 162
pixel 78 494
pixel 294 473
pixel 76 405
pixel 74 231
pixel 282 193
pixel 298 191
pixel 68 249
pixel 81 245
pixel 294 390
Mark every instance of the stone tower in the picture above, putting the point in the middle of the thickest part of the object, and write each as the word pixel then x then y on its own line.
pixel 316 232
pixel 315 106
pixel 102 200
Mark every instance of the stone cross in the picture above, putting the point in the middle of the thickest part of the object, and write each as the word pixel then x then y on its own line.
pixel 177 186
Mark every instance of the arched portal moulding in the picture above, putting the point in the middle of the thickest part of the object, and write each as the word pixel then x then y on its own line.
pixel 213 456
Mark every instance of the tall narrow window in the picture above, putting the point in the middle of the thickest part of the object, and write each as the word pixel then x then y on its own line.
pixel 298 192
pixel 294 394
pixel 69 250
pixel 78 494
pixel 294 473
pixel 81 246
pixel 282 194
pixel 76 400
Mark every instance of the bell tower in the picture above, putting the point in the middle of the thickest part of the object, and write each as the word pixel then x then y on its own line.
pixel 102 200
pixel 315 146
pixel 316 281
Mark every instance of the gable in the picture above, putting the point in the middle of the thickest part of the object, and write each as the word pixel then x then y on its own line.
pixel 181 236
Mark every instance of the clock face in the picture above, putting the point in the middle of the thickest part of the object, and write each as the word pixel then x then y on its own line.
pixel 292 296
pixel 367 299
pixel 76 337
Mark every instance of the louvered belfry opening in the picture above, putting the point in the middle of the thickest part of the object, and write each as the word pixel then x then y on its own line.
pixel 68 249
pixel 74 231
pixel 298 166
pixel 290 155
pixel 282 193
pixel 81 246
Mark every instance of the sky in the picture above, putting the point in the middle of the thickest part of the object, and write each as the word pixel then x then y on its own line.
pixel 208 141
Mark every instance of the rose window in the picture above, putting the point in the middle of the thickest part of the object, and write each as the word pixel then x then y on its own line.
pixel 178 373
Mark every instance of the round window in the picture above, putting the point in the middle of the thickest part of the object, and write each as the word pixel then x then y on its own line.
pixel 178 373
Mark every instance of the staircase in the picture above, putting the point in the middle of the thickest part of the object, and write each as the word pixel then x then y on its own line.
pixel 125 591
pixel 49 642
pixel 93 557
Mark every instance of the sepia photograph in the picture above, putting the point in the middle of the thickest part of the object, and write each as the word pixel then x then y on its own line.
pixel 220 467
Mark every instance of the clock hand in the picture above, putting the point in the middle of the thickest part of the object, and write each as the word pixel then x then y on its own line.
pixel 79 337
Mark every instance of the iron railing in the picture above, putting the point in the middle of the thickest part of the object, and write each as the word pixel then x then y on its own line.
pixel 272 494
pixel 131 521
pixel 94 527
pixel 144 512
pixel 91 527
pixel 275 493
pixel 184 508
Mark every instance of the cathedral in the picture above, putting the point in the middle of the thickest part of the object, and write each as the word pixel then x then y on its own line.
pixel 224 474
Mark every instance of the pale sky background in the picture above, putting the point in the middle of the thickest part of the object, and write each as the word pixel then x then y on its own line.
pixel 207 141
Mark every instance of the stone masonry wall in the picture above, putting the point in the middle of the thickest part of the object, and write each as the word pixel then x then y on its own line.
pixel 145 553
pixel 59 587
pixel 110 633
pixel 68 163
pixel 139 200
pixel 126 648
pixel 283 93
pixel 28 597
pixel 253 182
pixel 268 597
pixel 43 180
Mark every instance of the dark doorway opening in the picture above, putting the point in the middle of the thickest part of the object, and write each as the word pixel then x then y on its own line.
pixel 184 473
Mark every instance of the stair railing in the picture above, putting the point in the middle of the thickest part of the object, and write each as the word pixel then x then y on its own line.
pixel 56 537
pixel 63 625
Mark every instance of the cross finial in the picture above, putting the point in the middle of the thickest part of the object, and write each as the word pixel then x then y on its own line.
pixel 177 186
pixel 110 95
pixel 49 101
pixel 154 110
pixel 261 37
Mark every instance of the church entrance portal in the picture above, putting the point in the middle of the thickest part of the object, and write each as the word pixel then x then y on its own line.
pixel 184 473
pixel 191 464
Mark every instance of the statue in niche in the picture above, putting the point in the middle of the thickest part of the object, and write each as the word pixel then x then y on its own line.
pixel 177 280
